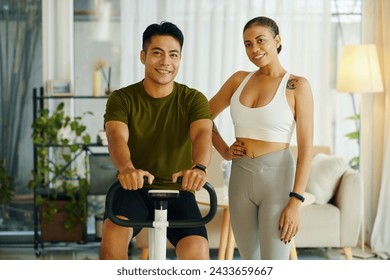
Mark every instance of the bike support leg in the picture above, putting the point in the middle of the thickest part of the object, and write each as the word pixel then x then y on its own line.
pixel 158 236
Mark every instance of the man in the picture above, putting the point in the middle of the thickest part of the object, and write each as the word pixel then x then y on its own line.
pixel 159 129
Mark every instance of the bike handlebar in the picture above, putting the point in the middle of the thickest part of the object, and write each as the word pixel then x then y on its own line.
pixel 172 224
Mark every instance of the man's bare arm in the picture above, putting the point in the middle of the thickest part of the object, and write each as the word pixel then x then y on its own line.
pixel 118 136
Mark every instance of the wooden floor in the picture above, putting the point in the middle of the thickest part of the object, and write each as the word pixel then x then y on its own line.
pixel 90 251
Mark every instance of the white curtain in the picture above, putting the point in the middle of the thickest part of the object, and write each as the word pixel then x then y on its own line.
pixel 213 48
pixel 380 237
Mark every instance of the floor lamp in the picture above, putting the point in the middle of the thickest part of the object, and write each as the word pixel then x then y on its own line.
pixel 359 72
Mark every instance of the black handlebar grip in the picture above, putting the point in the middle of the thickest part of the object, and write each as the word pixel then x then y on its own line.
pixel 172 224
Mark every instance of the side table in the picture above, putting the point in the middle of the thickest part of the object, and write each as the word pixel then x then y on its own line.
pixel 227 241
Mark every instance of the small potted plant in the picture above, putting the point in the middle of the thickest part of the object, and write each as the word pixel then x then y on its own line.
pixel 60 177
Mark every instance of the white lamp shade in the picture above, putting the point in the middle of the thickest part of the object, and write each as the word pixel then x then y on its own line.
pixel 359 70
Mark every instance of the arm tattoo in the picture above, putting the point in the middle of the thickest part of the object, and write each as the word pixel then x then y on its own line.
pixel 291 84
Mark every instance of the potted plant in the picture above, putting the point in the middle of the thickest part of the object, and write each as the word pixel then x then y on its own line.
pixel 60 177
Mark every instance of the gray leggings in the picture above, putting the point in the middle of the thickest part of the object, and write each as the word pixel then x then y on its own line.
pixel 258 192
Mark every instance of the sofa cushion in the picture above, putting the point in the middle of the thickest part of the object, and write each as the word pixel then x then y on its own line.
pixel 325 175
pixel 320 226
pixel 309 199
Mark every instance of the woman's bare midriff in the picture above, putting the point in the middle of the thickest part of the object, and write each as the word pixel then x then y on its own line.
pixel 255 148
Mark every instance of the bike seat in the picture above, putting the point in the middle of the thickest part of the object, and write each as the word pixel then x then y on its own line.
pixel 163 194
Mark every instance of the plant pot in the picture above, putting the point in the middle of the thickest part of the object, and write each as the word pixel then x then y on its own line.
pixel 54 230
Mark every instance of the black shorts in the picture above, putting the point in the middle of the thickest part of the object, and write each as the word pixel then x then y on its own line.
pixel 136 206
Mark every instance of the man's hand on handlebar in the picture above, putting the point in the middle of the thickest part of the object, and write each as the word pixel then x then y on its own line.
pixel 192 179
pixel 133 179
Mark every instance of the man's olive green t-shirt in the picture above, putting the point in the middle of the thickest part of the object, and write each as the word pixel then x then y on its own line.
pixel 159 140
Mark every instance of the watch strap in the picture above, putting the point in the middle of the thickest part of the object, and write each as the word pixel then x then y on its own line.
pixel 297 196
pixel 200 166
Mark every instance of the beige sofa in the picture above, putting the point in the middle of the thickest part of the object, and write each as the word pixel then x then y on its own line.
pixel 331 216
pixel 334 218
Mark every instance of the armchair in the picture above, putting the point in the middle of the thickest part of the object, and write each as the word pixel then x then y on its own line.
pixel 334 219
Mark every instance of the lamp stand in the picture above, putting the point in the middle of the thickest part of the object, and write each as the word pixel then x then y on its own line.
pixel 361 254
pixel 360 72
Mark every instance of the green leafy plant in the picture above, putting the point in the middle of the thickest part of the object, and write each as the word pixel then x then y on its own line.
pixel 6 186
pixel 60 143
pixel 355 136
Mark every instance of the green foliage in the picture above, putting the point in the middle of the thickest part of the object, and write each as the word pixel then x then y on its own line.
pixel 6 187
pixel 354 135
pixel 355 117
pixel 57 171
pixel 354 163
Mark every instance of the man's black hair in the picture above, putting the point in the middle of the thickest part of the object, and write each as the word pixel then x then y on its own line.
pixel 164 28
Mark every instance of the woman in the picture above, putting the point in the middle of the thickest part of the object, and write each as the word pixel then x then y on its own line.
pixel 266 187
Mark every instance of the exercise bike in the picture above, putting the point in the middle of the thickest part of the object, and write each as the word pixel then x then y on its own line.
pixel 158 227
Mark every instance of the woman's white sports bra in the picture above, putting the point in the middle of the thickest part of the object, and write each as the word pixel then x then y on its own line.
pixel 273 122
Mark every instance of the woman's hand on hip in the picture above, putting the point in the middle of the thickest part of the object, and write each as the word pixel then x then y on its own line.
pixel 236 150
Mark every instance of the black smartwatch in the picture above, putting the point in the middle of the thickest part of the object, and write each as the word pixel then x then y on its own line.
pixel 297 196
pixel 200 166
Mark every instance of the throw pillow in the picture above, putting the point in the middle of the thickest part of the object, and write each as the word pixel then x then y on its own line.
pixel 325 174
